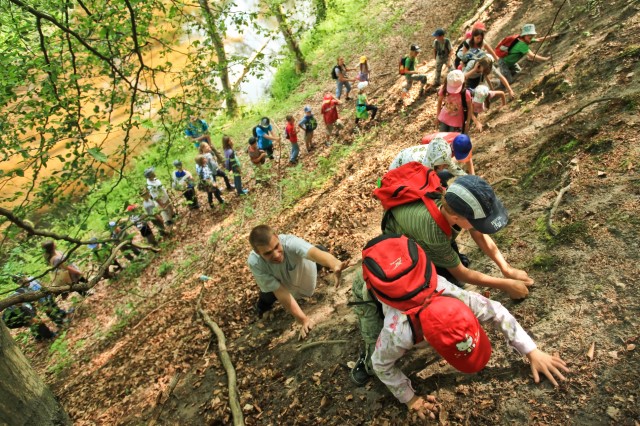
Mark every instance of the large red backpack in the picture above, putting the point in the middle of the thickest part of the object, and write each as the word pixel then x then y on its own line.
pixel 505 45
pixel 398 273
pixel 408 183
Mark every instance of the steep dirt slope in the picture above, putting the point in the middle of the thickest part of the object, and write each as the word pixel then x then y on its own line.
pixel 586 275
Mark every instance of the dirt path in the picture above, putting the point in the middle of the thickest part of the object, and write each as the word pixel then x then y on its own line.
pixel 582 294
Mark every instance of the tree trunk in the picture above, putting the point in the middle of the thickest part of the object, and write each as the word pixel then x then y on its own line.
pixel 321 10
pixel 223 68
pixel 276 9
pixel 24 398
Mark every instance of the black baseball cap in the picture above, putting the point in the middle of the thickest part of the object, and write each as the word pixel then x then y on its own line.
pixel 473 198
pixel 415 48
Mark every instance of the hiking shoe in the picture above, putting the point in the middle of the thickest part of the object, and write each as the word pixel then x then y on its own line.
pixel 358 373
pixel 244 192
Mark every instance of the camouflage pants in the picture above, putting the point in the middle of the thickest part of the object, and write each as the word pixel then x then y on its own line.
pixel 367 310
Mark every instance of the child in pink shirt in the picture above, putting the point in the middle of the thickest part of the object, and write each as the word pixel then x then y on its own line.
pixel 450 115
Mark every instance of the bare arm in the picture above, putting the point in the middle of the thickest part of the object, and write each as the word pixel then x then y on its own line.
pixel 328 261
pixel 289 303
pixel 536 58
pixel 489 49
pixel 501 95
pixel 489 247
pixel 514 288
pixel 470 114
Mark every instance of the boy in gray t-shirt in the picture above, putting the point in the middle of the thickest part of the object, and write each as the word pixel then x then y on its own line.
pixel 285 268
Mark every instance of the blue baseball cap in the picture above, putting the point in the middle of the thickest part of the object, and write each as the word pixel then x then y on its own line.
pixel 437 33
pixel 461 147
pixel 473 198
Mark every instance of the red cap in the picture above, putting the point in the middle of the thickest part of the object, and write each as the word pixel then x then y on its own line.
pixel 455 333
pixel 479 26
pixel 132 207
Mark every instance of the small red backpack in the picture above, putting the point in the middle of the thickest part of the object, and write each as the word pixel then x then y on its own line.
pixel 398 273
pixel 411 182
pixel 505 45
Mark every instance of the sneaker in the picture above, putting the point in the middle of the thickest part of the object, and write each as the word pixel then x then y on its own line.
pixel 358 373
pixel 244 192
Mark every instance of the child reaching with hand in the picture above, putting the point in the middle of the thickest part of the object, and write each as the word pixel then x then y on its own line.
pixel 481 98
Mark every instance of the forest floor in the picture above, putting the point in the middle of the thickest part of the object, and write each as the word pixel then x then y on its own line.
pixel 136 351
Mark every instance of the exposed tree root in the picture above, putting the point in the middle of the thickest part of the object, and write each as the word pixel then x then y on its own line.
pixel 234 403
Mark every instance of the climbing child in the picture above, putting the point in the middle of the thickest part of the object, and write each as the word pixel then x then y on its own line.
pixel 232 163
pixel 145 230
pixel 183 181
pixel 362 107
pixel 291 133
pixel 442 52
pixel 481 97
pixel 363 74
pixel 308 124
pixel 454 111
pixel 207 183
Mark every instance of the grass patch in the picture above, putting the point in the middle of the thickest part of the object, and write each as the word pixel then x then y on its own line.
pixel 632 51
pixel 549 162
pixel 571 233
pixel 59 352
pixel 545 262
pixel 165 268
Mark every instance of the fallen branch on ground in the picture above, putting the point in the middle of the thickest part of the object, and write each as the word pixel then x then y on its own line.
pixel 301 348
pixel 502 179
pixel 165 395
pixel 554 207
pixel 475 17
pixel 234 403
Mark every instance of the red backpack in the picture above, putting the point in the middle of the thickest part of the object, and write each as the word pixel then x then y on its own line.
pixel 411 182
pixel 505 45
pixel 398 273
pixel 402 65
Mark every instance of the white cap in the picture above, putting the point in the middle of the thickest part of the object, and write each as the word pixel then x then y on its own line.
pixel 528 29
pixel 480 94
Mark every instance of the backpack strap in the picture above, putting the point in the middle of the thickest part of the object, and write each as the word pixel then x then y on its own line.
pixel 413 315
pixel 465 109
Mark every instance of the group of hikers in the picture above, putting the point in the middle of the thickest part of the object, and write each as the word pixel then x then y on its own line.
pixel 409 292
pixel 410 289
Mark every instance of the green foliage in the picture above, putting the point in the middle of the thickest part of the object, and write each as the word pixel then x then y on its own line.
pixel 571 233
pixel 165 268
pixel 631 51
pixel 60 358
pixel 547 164
pixel 545 262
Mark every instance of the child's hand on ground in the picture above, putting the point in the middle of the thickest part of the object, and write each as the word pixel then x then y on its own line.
pixel 423 407
pixel 517 274
pixel 479 126
pixel 517 289
pixel 549 365
pixel 305 328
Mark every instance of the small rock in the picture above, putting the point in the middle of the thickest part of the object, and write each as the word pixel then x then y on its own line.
pixel 620 285
pixel 613 412
pixel 630 75
pixel 247 407
pixel 631 347
pixel 613 354
pixel 601 173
